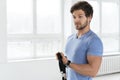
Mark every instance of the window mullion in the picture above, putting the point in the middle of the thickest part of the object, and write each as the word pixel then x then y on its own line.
pixel 100 17
pixel 62 24
pixel 34 27
pixel 119 24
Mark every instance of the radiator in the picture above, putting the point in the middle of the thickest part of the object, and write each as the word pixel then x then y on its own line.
pixel 110 64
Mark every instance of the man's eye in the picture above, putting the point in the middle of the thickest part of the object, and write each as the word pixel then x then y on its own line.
pixel 80 16
pixel 74 17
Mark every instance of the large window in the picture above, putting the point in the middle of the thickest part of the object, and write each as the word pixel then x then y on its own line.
pixel 38 28
pixel 34 28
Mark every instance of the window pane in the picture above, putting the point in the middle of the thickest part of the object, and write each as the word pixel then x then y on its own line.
pixel 17 50
pixel 48 16
pixel 110 26
pixel 110 17
pixel 19 16
pixel 48 48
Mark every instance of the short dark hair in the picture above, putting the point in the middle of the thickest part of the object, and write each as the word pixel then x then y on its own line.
pixel 85 6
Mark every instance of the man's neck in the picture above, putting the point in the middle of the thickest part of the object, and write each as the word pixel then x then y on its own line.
pixel 83 31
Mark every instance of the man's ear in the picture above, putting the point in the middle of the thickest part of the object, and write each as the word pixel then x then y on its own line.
pixel 90 18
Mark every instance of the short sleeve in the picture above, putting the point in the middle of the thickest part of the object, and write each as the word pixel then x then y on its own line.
pixel 95 47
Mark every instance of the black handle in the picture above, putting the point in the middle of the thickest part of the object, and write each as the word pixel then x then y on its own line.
pixel 59 56
pixel 61 65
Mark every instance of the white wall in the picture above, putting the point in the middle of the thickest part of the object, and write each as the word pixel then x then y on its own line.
pixel 30 70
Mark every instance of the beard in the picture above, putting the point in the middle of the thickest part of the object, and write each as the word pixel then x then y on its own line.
pixel 81 26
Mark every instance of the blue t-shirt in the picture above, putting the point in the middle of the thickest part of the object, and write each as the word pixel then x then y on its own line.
pixel 77 49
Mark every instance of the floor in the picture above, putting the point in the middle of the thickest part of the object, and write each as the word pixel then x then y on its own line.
pixel 108 77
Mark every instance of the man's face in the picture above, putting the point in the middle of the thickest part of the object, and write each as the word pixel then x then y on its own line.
pixel 80 20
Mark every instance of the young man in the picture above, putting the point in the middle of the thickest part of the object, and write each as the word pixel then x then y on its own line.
pixel 83 49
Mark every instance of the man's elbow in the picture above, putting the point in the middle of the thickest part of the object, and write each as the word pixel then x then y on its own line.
pixel 93 74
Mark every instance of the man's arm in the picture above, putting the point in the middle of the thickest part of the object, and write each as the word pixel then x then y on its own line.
pixel 89 69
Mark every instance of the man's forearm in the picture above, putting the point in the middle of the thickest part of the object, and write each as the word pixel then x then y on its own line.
pixel 84 69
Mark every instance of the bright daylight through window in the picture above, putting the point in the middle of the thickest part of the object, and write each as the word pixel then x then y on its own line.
pixel 35 28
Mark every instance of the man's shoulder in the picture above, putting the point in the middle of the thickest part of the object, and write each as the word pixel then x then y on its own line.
pixel 93 37
pixel 95 45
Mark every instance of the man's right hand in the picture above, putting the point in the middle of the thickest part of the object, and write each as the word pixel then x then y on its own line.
pixel 64 58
